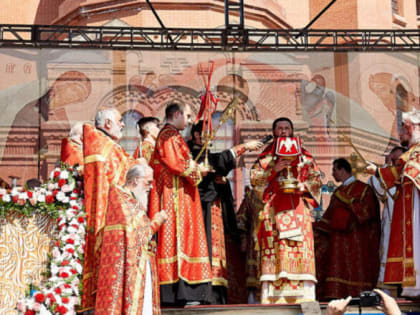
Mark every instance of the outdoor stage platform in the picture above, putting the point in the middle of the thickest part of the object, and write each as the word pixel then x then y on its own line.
pixel 407 307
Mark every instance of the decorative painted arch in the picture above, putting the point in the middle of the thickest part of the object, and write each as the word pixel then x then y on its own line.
pixel 129 97
pixel 401 83
pixel 152 103
pixel 247 110
pixel 183 94
pixel 243 72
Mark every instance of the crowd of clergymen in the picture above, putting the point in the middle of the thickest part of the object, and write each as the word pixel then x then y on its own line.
pixel 162 228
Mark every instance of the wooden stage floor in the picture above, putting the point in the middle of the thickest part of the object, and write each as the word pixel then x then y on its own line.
pixel 407 307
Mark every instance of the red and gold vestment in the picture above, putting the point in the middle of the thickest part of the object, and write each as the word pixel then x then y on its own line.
pixel 405 175
pixel 286 261
pixel 105 164
pixel 182 248
pixel 347 242
pixel 71 152
pixel 124 255
pixel 147 149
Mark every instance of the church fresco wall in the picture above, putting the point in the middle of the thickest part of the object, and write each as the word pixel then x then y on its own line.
pixel 333 99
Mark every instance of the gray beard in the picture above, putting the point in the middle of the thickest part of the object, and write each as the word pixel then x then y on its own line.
pixel 142 197
pixel 115 132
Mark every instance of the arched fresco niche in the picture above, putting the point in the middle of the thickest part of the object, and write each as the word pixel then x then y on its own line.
pixel 246 109
pixel 130 136
pixel 401 101
pixel 175 93
pixel 129 97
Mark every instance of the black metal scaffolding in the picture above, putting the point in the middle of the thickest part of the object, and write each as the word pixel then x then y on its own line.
pixel 63 36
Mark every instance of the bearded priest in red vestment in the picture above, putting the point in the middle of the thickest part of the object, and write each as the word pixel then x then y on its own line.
pixel 71 147
pixel 127 277
pixel 286 261
pixel 149 130
pixel 403 262
pixel 105 165
pixel 183 262
pixel 347 238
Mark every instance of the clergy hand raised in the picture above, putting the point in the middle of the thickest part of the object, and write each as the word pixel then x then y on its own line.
pixel 281 164
pixel 204 170
pixel 371 168
pixel 254 145
pixel 161 217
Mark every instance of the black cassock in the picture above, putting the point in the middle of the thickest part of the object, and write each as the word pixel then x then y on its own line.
pixel 222 163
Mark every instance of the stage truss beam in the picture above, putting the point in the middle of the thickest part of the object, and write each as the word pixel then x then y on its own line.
pixel 59 36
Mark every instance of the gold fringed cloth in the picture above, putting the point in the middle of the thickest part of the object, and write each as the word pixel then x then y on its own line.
pixel 24 245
